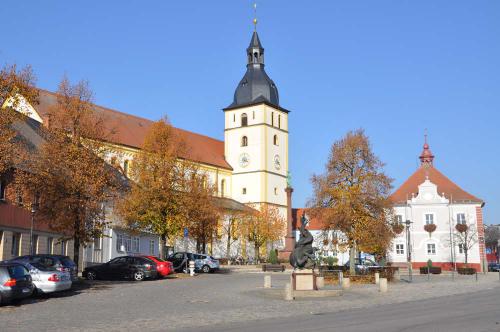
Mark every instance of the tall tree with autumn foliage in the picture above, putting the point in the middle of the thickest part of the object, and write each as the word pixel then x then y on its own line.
pixel 68 173
pixel 17 87
pixel 351 196
pixel 265 225
pixel 202 213
pixel 155 201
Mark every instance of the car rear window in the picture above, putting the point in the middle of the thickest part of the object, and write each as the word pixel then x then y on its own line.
pixel 42 267
pixel 17 271
pixel 67 262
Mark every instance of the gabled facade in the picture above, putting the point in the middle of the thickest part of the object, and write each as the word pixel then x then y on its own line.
pixel 429 197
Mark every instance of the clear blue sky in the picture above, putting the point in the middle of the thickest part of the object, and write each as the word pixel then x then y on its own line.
pixel 391 67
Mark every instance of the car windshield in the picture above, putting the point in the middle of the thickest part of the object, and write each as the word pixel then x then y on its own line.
pixel 66 261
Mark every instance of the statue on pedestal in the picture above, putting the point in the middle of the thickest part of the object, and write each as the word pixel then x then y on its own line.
pixel 302 256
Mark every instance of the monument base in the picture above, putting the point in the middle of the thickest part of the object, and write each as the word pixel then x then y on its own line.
pixel 304 280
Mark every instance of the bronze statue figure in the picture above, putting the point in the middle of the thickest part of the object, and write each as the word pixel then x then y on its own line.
pixel 302 256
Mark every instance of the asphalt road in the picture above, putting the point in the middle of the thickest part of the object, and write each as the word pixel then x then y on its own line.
pixel 467 312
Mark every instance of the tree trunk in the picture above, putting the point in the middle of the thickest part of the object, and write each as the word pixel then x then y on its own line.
pixel 76 252
pixel 352 259
pixel 163 243
pixel 257 254
pixel 228 244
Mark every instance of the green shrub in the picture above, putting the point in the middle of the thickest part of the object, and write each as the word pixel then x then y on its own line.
pixel 273 257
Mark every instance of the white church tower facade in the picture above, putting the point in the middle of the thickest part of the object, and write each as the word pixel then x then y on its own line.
pixel 256 136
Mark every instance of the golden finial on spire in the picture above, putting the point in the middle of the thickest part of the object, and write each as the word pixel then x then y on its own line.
pixel 255 16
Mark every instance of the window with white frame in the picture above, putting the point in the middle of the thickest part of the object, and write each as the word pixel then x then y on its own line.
pixel 123 242
pixel 400 249
pixel 429 218
pixel 460 248
pixel 431 248
pixel 399 219
pixel 151 247
pixel 135 244
pixel 461 218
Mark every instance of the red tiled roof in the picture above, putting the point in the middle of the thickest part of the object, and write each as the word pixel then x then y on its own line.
pixel 130 130
pixel 314 224
pixel 444 185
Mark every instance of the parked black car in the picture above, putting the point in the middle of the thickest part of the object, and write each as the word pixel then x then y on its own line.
pixel 128 267
pixel 15 282
pixel 494 267
pixel 59 262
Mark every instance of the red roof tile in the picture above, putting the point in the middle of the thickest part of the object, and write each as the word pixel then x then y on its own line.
pixel 130 130
pixel 444 185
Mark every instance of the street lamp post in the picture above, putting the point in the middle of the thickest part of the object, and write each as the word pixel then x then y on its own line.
pixel 408 249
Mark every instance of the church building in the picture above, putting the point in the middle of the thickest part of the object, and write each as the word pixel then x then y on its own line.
pixel 249 167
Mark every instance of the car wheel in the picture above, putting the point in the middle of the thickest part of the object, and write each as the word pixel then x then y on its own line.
pixel 205 269
pixel 91 275
pixel 138 276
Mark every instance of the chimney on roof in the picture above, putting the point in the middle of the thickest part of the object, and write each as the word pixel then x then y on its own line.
pixel 426 158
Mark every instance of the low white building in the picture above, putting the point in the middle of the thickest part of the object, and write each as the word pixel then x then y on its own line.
pixel 429 198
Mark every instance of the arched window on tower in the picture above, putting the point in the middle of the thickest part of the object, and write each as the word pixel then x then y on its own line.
pixel 126 165
pixel 222 187
pixel 275 140
pixel 244 120
pixel 244 141
pixel 256 57
pixel 279 121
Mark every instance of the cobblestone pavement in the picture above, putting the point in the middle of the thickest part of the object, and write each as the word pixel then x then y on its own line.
pixel 206 300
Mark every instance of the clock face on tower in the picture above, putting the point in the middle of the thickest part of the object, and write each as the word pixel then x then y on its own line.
pixel 277 162
pixel 244 160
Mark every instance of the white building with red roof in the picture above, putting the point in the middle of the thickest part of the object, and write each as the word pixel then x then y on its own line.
pixel 431 206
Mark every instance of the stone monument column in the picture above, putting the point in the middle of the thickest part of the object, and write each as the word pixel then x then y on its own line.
pixel 290 236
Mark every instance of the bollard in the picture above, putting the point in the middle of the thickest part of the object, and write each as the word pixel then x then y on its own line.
pixel 288 292
pixel 191 268
pixel 267 282
pixel 346 283
pixel 383 285
pixel 320 282
pixel 397 275
pixel 377 278
pixel 341 276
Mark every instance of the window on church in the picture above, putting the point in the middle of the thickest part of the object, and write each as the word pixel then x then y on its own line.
pixel 399 219
pixel 279 121
pixel 429 218
pixel 272 118
pixel 222 187
pixel 244 191
pixel 275 140
pixel 244 120
pixel 125 167
pixel 253 115
pixel 244 141
pixel 276 191
pixel 2 191
pixel 234 117
pixel 461 218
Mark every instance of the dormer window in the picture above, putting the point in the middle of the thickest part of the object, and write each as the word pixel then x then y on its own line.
pixel 275 140
pixel 244 141
pixel 244 120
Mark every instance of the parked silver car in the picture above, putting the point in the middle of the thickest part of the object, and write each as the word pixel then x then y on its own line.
pixel 45 278
pixel 205 263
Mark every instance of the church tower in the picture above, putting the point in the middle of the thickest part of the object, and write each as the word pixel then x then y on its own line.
pixel 256 135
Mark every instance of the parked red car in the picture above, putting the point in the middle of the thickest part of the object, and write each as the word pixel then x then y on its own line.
pixel 164 268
